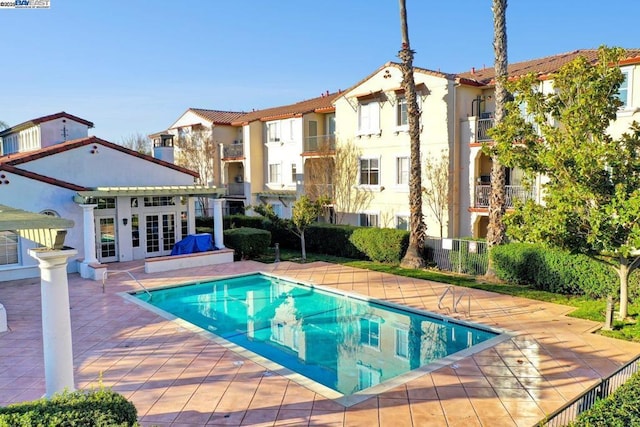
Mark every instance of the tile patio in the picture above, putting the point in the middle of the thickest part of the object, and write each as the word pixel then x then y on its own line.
pixel 176 377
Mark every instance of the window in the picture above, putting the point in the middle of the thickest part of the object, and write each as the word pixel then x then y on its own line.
pixel 274 173
pixel 368 220
pixel 402 343
pixel 370 332
pixel 277 209
pixel 369 118
pixel 135 231
pixel 8 248
pixel 184 223
pixel 624 91
pixel 369 172
pixel 402 170
pixel 159 201
pixel 294 173
pixel 50 212
pixel 106 203
pixel 402 222
pixel 367 377
pixel 402 115
pixel 273 132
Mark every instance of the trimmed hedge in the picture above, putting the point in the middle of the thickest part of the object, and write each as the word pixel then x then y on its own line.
pixel 621 409
pixel 238 221
pixel 332 239
pixel 553 270
pixel 381 244
pixel 247 242
pixel 101 407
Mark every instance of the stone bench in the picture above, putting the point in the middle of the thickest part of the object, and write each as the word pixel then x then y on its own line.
pixel 198 259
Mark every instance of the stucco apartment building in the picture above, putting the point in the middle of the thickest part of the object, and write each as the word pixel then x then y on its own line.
pixel 267 154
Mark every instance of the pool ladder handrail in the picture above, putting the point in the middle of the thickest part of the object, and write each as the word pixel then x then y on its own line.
pixel 104 279
pixel 454 301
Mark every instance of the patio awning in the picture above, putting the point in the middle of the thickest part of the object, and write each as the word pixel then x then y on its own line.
pixel 46 230
pixel 171 190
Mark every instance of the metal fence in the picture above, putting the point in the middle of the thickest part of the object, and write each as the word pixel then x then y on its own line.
pixel 457 255
pixel 585 401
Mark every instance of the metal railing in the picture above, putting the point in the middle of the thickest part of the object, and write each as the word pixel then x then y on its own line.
pixel 232 151
pixel 106 272
pixel 235 189
pixel 320 143
pixel 457 255
pixel 570 411
pixel 513 192
pixel 483 130
pixel 455 302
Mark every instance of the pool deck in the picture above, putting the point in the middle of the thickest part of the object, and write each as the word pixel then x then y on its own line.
pixel 177 377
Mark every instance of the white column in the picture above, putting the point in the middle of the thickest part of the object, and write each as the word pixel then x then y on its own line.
pixel 56 319
pixel 89 234
pixel 218 236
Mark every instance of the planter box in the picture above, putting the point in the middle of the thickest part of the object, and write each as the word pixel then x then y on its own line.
pixel 199 259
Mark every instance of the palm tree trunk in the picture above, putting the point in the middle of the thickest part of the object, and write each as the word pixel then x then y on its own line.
pixel 413 257
pixel 497 198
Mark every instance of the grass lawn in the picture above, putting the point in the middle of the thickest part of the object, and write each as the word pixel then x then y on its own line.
pixel 585 308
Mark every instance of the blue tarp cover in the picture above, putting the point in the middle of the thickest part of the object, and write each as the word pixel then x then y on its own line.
pixel 193 243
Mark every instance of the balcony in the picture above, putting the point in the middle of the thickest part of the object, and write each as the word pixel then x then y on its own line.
pixel 513 192
pixel 235 189
pixel 483 130
pixel 233 151
pixel 315 191
pixel 321 144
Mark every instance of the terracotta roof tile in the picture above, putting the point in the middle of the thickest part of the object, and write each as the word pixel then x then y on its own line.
pixel 38 177
pixel 218 117
pixel 322 103
pixel 539 66
pixel 44 119
pixel 19 158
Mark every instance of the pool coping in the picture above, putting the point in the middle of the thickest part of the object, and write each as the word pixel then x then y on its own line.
pixel 325 391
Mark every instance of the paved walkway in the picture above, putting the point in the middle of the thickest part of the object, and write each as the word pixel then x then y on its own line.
pixel 179 378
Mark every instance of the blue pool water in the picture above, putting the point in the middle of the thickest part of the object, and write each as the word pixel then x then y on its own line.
pixel 343 342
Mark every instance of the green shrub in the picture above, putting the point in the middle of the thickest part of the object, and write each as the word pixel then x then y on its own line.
pixel 621 409
pixel 281 233
pixel 238 221
pixel 553 270
pixel 381 244
pixel 101 407
pixel 247 242
pixel 463 261
pixel 332 239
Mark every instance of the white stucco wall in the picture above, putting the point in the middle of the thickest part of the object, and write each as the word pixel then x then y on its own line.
pixel 51 132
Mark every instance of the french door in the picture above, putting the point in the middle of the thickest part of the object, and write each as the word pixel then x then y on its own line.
pixel 107 238
pixel 160 233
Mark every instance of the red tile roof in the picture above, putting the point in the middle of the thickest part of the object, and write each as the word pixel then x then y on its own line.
pixel 321 104
pixel 218 117
pixel 36 176
pixel 44 119
pixel 24 157
pixel 540 66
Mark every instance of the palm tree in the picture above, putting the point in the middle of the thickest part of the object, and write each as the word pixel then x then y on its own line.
pixel 497 198
pixel 413 257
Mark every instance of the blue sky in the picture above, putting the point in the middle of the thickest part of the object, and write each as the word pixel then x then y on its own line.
pixel 136 66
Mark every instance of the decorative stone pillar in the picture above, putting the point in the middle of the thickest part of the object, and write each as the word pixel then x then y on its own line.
pixel 89 240
pixel 218 236
pixel 56 318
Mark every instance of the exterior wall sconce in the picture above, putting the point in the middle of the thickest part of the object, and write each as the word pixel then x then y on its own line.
pixel 125 221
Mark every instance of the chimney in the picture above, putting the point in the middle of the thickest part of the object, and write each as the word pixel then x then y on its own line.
pixel 163 147
pixel 473 70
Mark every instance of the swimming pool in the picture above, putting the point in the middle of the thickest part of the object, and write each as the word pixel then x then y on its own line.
pixel 344 342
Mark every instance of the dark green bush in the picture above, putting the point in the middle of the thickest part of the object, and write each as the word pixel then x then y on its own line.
pixel 621 409
pixel 237 221
pixel 331 239
pixel 381 244
pixel 553 270
pixel 101 407
pixel 281 233
pixel 466 262
pixel 247 242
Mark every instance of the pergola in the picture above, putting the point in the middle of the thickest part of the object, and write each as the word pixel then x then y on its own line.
pixel 52 256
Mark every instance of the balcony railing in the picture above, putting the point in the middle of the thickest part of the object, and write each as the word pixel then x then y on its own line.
pixel 233 151
pixel 513 192
pixel 235 189
pixel 320 143
pixel 483 129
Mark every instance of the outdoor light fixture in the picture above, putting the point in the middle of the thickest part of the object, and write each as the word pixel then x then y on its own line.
pixel 125 221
